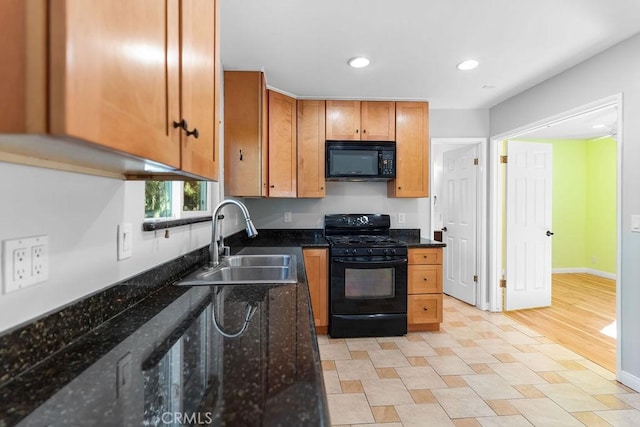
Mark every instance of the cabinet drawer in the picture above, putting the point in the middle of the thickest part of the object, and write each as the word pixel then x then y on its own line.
pixel 425 308
pixel 424 279
pixel 425 256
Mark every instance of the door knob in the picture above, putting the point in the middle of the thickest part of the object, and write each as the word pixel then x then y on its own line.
pixel 548 233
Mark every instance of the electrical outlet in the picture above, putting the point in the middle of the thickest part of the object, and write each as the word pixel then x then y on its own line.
pixel 287 217
pixel 20 267
pixel 25 262
pixel 401 218
pixel 39 263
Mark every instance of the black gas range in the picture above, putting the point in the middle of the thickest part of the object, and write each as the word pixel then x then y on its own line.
pixel 368 277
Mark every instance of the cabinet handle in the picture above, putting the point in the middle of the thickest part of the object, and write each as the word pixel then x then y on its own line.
pixel 364 131
pixel 184 126
pixel 240 155
pixel 272 186
pixel 444 229
pixel 193 132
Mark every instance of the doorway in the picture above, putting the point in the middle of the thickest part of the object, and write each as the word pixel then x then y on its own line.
pixel 458 206
pixel 499 267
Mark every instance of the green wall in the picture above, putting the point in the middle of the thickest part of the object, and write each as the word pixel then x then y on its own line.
pixel 584 204
pixel 601 204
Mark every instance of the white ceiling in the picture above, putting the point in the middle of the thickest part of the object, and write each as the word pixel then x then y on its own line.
pixel 414 45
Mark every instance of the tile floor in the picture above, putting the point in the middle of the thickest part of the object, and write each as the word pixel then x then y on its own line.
pixel 481 369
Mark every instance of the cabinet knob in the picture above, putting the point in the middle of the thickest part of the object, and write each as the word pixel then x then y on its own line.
pixel 399 188
pixel 272 186
pixel 425 279
pixel 425 308
pixel 356 130
pixel 364 131
pixel 322 188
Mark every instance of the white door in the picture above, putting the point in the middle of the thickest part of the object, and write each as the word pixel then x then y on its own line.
pixel 529 172
pixel 459 217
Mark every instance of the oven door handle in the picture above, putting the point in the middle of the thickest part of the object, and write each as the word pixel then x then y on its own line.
pixel 394 262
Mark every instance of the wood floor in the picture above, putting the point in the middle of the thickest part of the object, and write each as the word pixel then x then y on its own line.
pixel 582 305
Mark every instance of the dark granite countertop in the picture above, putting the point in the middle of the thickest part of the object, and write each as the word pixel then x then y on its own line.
pixel 165 362
pixel 144 352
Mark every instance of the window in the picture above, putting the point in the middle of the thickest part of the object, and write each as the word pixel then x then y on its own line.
pixel 176 199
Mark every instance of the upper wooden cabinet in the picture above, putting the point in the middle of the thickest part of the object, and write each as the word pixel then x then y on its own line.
pixel 311 141
pixel 119 75
pixel 412 151
pixel 361 120
pixel 245 134
pixel 282 145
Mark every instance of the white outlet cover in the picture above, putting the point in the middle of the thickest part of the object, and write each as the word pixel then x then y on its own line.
pixel 12 281
pixel 125 241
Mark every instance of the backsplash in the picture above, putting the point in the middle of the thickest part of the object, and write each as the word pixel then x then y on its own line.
pixel 342 197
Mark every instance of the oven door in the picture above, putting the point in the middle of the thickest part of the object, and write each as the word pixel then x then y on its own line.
pixel 368 285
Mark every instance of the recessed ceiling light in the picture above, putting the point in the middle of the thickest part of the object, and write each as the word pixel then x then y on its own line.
pixel 469 64
pixel 359 62
pixel 600 126
pixel 488 87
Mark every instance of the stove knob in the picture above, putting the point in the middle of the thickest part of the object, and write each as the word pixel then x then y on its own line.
pixel 370 251
pixel 393 251
pixel 354 251
pixel 346 251
pixel 386 251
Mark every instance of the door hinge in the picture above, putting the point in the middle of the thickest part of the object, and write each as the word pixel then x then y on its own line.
pixel 475 162
pixel 475 278
pixel 503 283
pixel 503 159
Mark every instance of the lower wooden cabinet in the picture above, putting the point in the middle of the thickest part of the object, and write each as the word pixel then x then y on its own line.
pixel 424 305
pixel 317 268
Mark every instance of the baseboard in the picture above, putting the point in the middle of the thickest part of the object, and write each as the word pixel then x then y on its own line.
pixel 629 380
pixel 586 270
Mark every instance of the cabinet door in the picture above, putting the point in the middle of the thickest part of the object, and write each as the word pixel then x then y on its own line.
pixel 282 145
pixel 412 151
pixel 114 77
pixel 378 121
pixel 343 120
pixel 311 141
pixel 424 308
pixel 425 256
pixel 244 133
pixel 197 62
pixel 424 279
pixel 315 264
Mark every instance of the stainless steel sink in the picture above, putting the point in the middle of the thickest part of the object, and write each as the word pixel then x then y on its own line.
pixel 258 260
pixel 246 269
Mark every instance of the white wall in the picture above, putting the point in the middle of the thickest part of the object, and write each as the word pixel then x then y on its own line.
pixel 342 197
pixel 80 214
pixel 616 70
pixel 459 123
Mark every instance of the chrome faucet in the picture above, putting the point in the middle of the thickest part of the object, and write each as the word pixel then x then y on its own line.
pixel 251 230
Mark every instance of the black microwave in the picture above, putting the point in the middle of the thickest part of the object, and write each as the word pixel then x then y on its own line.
pixel 360 161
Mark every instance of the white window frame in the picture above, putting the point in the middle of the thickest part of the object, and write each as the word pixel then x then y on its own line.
pixel 177 202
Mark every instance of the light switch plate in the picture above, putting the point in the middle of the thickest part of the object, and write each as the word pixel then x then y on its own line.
pixel 125 241
pixel 635 223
